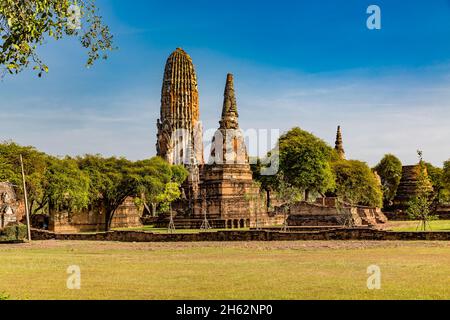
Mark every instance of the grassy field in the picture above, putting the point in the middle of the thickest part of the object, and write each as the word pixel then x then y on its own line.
pixel 256 270
pixel 438 225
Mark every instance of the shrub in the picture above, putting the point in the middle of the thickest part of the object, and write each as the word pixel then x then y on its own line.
pixel 14 232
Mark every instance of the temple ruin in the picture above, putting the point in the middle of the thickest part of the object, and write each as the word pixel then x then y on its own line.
pixel 11 209
pixel 339 145
pixel 222 190
pixel 407 189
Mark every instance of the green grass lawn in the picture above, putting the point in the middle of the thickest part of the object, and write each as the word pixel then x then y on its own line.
pixel 437 225
pixel 242 270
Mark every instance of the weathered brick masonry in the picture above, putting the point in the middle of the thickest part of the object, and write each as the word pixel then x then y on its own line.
pixel 336 234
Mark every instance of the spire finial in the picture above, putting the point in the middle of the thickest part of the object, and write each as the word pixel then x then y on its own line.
pixel 229 112
pixel 339 147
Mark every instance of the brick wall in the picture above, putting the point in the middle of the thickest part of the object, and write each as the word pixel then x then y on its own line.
pixel 336 234
pixel 126 216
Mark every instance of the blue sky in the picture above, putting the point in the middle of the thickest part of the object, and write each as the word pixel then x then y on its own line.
pixel 312 64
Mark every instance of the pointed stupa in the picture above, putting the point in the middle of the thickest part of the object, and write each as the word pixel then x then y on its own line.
pixel 229 111
pixel 228 145
pixel 339 144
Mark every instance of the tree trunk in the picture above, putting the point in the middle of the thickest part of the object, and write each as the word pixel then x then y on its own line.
pixel 108 220
pixel 153 209
pixel 306 195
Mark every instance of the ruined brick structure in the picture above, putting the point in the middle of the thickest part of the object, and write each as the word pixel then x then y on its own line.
pixel 227 180
pixel 10 207
pixel 127 215
pixel 179 139
pixel 339 145
pixel 327 212
pixel 407 188
pixel 223 189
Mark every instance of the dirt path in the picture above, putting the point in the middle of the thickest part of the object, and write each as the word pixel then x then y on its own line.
pixel 278 245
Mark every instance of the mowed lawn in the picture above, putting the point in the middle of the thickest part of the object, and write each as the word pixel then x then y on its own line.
pixel 241 270
pixel 436 225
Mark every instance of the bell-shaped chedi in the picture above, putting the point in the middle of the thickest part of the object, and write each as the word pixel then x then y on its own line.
pixel 408 187
pixel 179 130
pixel 228 145
pixel 339 145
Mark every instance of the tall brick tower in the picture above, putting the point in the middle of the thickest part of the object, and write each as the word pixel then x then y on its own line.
pixel 179 139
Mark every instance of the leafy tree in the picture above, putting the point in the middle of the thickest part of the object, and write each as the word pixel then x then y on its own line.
pixel 171 193
pixel 356 183
pixel 445 194
pixel 419 208
pixel 436 176
pixel 35 165
pixel 112 181
pixel 390 171
pixel 267 183
pixel 305 162
pixel 26 24
pixel 67 186
pixel 157 173
pixel 115 179
pixel 289 195
pixel 74 184
pixel 179 173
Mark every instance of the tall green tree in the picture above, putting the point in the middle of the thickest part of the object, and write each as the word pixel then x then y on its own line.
pixel 171 193
pixel 390 171
pixel 35 163
pixel 112 181
pixel 27 24
pixel 289 195
pixel 267 183
pixel 156 175
pixel 67 187
pixel 446 182
pixel 305 162
pixel 436 176
pixel 52 183
pixel 357 184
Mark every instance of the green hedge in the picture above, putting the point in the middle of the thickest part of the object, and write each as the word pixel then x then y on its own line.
pixel 16 232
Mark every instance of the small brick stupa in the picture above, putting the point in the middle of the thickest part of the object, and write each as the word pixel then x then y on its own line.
pixel 339 146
